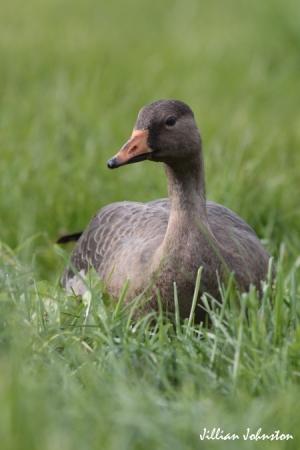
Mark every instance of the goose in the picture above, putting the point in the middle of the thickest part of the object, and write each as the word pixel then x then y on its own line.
pixel 150 246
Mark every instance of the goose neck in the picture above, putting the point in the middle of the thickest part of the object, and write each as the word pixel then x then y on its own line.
pixel 186 189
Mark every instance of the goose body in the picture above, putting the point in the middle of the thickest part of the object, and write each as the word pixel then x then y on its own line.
pixel 152 245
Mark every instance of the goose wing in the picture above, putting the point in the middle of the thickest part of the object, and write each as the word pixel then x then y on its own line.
pixel 116 233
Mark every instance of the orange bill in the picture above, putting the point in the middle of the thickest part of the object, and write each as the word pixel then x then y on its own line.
pixel 134 150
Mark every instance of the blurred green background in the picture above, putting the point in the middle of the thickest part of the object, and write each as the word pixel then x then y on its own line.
pixel 73 75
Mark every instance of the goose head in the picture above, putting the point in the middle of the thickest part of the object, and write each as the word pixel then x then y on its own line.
pixel 165 131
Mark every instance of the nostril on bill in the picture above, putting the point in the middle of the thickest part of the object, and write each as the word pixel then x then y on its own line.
pixel 132 149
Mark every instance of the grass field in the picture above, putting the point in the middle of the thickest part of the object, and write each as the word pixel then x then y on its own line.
pixel 73 75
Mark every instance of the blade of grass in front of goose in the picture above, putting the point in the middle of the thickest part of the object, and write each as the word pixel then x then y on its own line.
pixel 224 297
pixel 121 299
pixel 268 287
pixel 236 360
pixel 279 297
pixel 195 299
pixel 177 312
pixel 160 317
pixel 132 308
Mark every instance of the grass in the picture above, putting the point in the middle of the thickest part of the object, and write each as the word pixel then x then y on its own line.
pixel 82 375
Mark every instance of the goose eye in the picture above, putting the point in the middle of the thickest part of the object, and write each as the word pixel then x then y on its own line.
pixel 170 121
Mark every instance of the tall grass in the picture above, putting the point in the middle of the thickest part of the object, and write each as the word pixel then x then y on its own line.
pixel 78 373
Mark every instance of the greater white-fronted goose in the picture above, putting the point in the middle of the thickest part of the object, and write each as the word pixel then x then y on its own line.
pixel 152 245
